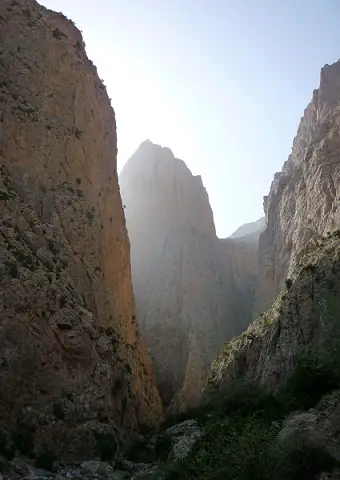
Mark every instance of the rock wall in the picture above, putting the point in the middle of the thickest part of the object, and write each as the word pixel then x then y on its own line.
pixel 249 233
pixel 305 314
pixel 71 364
pixel 304 198
pixel 299 252
pixel 240 261
pixel 187 282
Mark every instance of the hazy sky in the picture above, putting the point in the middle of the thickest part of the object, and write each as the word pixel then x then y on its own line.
pixel 223 83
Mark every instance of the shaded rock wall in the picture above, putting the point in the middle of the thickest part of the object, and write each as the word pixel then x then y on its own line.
pixel 68 331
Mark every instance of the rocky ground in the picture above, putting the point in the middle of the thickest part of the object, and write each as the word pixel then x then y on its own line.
pixel 243 433
pixel 149 456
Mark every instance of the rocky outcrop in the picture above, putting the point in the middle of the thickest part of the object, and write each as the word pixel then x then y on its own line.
pixel 304 198
pixel 74 376
pixel 186 281
pixel 249 233
pixel 304 315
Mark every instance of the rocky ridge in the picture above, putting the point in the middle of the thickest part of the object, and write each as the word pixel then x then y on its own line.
pixel 192 290
pixel 74 377
pixel 304 198
pixel 249 233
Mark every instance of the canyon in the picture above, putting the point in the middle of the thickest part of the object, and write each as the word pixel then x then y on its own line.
pixel 98 339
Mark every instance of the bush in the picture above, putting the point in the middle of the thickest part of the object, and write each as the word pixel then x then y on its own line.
pixel 12 268
pixel 198 413
pixel 163 447
pixel 58 410
pixel 58 34
pixel 246 398
pixel 247 449
pixel 23 439
pixel 7 447
pixel 45 460
pixel 289 283
pixel 236 449
pixel 140 451
pixel 106 446
pixel 302 460
pixel 312 379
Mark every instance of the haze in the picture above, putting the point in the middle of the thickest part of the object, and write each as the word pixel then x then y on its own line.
pixel 222 83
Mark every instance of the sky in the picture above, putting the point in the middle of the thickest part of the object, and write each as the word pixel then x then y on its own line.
pixel 222 83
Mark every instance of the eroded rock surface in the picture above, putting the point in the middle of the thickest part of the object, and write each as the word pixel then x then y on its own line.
pixel 305 314
pixel 304 199
pixel 187 282
pixel 73 373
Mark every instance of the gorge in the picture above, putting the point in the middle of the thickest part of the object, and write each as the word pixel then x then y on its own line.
pixel 202 357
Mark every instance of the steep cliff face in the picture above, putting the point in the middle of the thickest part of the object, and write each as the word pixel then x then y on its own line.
pixel 240 262
pixel 186 297
pixel 249 233
pixel 304 198
pixel 305 314
pixel 72 366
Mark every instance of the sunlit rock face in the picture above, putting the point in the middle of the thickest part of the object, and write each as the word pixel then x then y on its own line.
pixel 304 198
pixel 72 366
pixel 187 282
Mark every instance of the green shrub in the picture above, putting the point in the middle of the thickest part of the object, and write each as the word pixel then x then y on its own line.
pixel 7 447
pixel 45 460
pixel 90 215
pixel 23 439
pixel 289 283
pixel 311 379
pixel 106 446
pixel 78 133
pixel 197 413
pixel 4 195
pixel 302 460
pixel 58 34
pixel 58 410
pixel 140 451
pixel 12 268
pixel 144 429
pixel 317 371
pixel 235 449
pixel 163 447
pixel 245 398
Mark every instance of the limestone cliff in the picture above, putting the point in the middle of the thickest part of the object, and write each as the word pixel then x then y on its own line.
pixel 240 262
pixel 186 281
pixel 305 314
pixel 72 368
pixel 304 198
pixel 298 251
pixel 249 233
